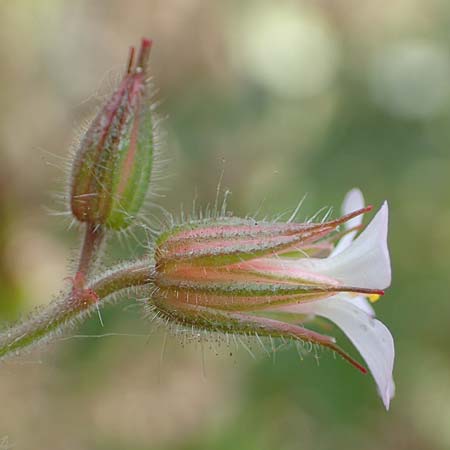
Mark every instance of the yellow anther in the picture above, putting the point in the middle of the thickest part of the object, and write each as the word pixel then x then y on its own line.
pixel 374 298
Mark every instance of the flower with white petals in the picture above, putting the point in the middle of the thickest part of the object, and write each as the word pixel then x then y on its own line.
pixel 353 313
pixel 231 275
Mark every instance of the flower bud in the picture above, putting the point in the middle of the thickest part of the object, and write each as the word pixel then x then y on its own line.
pixel 112 166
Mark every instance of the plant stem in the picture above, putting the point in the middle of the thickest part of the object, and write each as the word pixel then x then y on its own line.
pixel 68 311
pixel 93 239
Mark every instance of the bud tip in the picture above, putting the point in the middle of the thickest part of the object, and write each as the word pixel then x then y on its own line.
pixel 146 43
pixel 144 53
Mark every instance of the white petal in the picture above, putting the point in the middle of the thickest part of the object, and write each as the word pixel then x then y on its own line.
pixel 353 201
pixel 360 301
pixel 365 263
pixel 372 339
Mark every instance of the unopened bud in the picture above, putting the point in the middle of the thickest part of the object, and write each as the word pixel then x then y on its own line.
pixel 112 167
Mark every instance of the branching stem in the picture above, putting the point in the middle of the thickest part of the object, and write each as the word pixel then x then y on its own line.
pixel 63 313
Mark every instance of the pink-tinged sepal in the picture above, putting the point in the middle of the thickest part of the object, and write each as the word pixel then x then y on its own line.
pixel 232 240
pixel 216 320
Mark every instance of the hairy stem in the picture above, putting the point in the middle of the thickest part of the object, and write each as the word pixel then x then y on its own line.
pixel 69 310
pixel 93 239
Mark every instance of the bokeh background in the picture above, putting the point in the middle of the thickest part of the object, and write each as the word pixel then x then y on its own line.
pixel 286 98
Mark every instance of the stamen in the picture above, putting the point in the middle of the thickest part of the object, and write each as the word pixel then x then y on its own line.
pixel 373 298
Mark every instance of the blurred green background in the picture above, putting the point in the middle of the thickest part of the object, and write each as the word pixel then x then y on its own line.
pixel 288 98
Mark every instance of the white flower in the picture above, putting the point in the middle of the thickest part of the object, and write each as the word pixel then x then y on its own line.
pixel 231 275
pixel 361 262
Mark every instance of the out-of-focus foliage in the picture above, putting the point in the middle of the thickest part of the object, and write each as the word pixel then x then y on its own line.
pixel 287 98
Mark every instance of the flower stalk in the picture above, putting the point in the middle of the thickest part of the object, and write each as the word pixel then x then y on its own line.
pixel 94 237
pixel 68 311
